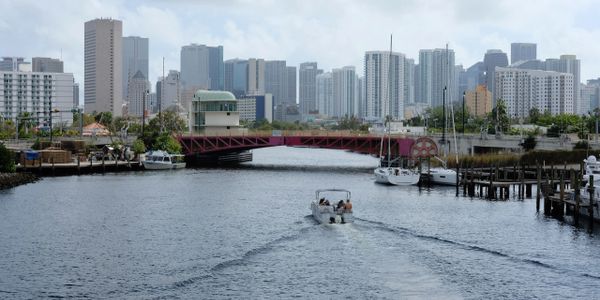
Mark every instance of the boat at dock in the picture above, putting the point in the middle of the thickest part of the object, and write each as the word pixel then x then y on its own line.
pixel 589 194
pixel 162 160
pixel 331 214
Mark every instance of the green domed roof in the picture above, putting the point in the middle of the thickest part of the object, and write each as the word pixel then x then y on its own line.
pixel 204 95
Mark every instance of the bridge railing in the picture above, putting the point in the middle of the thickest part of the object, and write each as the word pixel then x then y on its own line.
pixel 302 133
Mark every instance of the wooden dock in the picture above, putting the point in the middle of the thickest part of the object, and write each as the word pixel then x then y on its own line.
pixel 79 167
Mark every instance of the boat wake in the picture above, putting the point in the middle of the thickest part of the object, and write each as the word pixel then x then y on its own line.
pixel 244 259
pixel 409 232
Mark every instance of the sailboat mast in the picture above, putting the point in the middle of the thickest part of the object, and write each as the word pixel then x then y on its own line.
pixel 389 103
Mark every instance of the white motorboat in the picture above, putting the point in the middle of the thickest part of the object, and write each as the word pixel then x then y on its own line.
pixel 396 176
pixel 326 213
pixel 161 160
pixel 592 168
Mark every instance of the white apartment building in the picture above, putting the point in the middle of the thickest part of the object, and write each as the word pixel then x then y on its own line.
pixel 384 85
pixel 523 90
pixel 37 94
pixel 324 93
pixel 344 92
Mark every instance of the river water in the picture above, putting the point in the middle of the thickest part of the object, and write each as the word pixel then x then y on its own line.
pixel 247 233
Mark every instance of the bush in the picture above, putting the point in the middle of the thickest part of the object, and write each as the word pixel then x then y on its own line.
pixel 7 160
pixel 581 145
pixel 167 143
pixel 529 143
pixel 138 146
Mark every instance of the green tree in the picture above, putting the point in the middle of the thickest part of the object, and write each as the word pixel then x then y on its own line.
pixel 499 117
pixel 105 118
pixel 534 115
pixel 7 160
pixel 582 145
pixel 138 146
pixel 529 143
pixel 167 143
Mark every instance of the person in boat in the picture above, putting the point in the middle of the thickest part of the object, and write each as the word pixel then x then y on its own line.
pixel 340 205
pixel 322 201
pixel 326 203
pixel 348 206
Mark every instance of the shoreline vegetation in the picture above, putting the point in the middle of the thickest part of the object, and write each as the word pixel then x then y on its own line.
pixel 531 158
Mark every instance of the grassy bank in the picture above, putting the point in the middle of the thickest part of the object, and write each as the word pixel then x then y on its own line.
pixel 531 158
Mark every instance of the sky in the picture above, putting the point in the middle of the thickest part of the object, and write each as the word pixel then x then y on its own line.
pixel 334 33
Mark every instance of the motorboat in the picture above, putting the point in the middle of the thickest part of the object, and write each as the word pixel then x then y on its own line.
pixel 162 160
pixel 396 176
pixel 592 167
pixel 331 214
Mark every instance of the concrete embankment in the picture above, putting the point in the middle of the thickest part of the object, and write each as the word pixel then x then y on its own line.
pixel 10 180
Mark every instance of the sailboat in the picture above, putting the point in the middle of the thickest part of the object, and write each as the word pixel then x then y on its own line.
pixel 442 175
pixel 394 175
pixel 389 174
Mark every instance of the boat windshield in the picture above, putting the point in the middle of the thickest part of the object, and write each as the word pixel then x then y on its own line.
pixel 333 194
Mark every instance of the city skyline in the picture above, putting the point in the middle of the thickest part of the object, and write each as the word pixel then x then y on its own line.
pixel 299 32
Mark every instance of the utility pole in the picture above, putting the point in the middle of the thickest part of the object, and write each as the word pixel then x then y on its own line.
pixel 463 114
pixel 50 113
pixel 144 110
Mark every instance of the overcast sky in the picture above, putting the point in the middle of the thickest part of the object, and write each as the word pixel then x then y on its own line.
pixel 334 33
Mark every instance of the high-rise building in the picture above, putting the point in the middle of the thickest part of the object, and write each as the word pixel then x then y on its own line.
pixel 435 73
pixel 593 87
pixel 384 84
pixel 137 92
pixel 103 84
pixel 256 108
pixel 202 67
pixel 478 101
pixel 344 101
pixel 424 77
pixel 291 85
pixel 168 90
pixel 475 75
pixel 492 59
pixel 236 76
pixel 569 64
pixel 75 94
pixel 276 81
pixel 308 87
pixel 255 77
pixel 215 68
pixel 522 52
pixel 324 93
pixel 46 64
pixel 38 94
pixel 135 58
pixel 409 80
pixel 14 64
pixel 362 106
pixel 523 90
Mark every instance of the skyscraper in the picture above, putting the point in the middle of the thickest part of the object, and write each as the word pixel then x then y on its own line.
pixel 569 64
pixel 14 64
pixel 46 64
pixel 492 59
pixel 255 77
pixel 409 80
pixel 103 84
pixel 324 93
pixel 384 84
pixel 135 58
pixel 137 92
pixel 344 100
pixel 168 90
pixel 276 81
pixel 522 52
pixel 202 67
pixel 291 85
pixel 236 76
pixel 436 72
pixel 308 87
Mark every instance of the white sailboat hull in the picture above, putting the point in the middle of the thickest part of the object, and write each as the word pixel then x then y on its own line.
pixel 152 165
pixel 441 176
pixel 396 176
